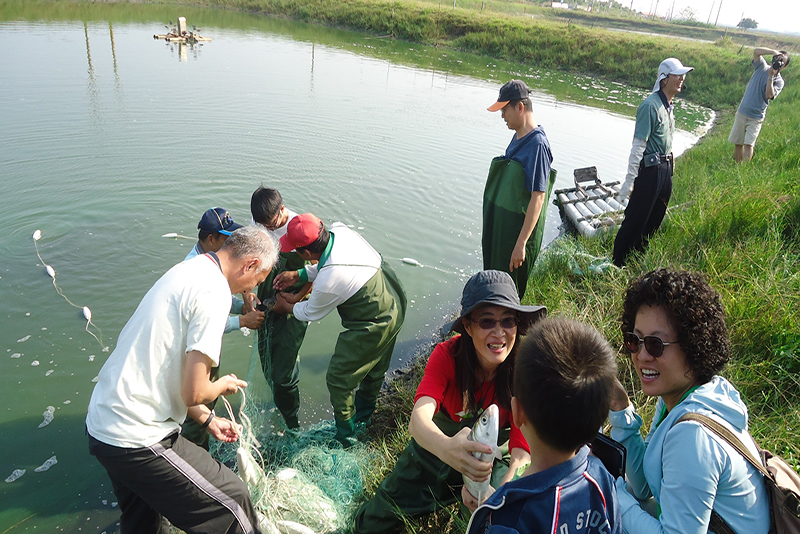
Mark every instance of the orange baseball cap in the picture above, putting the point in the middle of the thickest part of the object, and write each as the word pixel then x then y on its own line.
pixel 513 90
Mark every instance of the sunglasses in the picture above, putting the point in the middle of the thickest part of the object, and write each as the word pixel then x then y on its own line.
pixel 487 323
pixel 654 345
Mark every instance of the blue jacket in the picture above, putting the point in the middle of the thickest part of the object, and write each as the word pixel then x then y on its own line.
pixel 688 469
pixel 575 496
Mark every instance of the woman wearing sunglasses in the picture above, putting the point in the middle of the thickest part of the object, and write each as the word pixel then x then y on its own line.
pixel 673 325
pixel 464 375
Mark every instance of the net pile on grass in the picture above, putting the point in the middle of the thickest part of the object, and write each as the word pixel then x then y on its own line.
pixel 300 481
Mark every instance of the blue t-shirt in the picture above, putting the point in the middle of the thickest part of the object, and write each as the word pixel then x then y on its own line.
pixel 533 152
pixel 754 102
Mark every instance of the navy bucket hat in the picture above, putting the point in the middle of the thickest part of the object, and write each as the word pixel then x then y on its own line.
pixel 494 288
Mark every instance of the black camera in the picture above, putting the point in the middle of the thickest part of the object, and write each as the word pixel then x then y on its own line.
pixel 777 63
pixel 267 305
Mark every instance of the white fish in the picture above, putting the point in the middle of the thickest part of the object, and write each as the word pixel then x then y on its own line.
pixel 249 471
pixel 266 525
pixel 50 462
pixel 48 416
pixel 50 271
pixel 15 475
pixel 87 313
pixel 484 431
pixel 37 235
pixel 290 527
pixel 170 234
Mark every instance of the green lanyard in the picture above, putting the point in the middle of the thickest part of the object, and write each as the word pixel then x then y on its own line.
pixel 664 411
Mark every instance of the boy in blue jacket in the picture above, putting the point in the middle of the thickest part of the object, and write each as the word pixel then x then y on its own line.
pixel 562 390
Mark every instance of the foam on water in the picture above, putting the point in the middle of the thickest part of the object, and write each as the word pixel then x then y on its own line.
pixel 50 462
pixel 48 416
pixel 15 475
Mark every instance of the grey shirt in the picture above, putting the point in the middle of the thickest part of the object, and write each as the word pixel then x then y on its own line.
pixel 754 103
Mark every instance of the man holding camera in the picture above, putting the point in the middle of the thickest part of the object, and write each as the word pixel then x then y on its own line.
pixel 648 181
pixel 764 85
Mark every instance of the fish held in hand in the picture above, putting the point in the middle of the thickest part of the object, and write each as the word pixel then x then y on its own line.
pixel 484 431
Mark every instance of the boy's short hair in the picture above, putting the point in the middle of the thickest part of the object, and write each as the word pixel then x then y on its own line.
pixel 526 103
pixel 563 379
pixel 265 203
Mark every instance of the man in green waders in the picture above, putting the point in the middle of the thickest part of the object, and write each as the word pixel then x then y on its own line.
pixel 351 277
pixel 517 190
pixel 281 334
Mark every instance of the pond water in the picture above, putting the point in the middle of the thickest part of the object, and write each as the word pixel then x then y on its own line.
pixel 110 139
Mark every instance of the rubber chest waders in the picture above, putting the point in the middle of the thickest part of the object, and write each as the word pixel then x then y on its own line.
pixel 505 202
pixel 279 340
pixel 372 319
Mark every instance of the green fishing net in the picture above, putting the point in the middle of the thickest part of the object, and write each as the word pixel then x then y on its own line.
pixel 297 477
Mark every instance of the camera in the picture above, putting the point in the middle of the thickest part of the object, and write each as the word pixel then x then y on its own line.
pixel 267 305
pixel 777 63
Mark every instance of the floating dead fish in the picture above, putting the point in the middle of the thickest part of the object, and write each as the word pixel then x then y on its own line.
pixel 48 416
pixel 50 462
pixel 15 475
pixel 37 235
pixel 484 431
pixel 411 261
pixel 170 234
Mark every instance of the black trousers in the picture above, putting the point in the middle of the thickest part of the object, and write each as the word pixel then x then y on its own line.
pixel 646 209
pixel 177 480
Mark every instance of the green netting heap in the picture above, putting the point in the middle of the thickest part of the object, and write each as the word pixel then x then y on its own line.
pixel 304 477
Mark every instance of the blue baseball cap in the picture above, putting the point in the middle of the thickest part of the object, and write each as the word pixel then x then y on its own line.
pixel 218 220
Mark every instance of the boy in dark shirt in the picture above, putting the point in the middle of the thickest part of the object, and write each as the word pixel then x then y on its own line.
pixel 562 388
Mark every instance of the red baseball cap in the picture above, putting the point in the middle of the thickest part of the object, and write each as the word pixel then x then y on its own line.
pixel 301 232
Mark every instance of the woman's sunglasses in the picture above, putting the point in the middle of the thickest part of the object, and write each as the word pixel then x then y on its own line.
pixel 654 345
pixel 487 323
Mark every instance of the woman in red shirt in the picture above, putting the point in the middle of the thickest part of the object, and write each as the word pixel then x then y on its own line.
pixel 464 375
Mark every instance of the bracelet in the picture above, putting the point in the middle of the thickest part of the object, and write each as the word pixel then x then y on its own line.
pixel 210 417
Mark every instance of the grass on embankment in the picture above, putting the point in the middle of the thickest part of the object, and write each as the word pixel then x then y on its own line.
pixel 720 71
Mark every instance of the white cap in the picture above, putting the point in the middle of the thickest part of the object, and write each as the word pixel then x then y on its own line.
pixel 667 67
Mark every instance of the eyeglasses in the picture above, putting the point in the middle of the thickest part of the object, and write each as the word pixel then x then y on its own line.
pixel 273 224
pixel 654 344
pixel 487 323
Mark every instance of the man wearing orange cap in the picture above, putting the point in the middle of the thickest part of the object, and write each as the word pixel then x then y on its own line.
pixel 517 189
pixel 351 277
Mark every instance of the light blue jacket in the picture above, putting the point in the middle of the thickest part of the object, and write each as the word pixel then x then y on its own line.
pixel 236 302
pixel 689 470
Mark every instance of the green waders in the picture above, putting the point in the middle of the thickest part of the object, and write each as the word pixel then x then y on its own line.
pixel 505 202
pixel 419 484
pixel 279 340
pixel 191 429
pixel 372 318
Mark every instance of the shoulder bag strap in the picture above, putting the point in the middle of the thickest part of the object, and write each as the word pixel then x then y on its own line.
pixel 722 431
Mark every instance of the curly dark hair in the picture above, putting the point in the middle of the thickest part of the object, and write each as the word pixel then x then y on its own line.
pixel 695 311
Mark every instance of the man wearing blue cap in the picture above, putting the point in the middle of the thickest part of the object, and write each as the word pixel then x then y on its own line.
pixel 648 182
pixel 517 189
pixel 214 228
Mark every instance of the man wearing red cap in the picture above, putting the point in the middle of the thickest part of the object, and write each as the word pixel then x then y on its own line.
pixel 517 189
pixel 351 277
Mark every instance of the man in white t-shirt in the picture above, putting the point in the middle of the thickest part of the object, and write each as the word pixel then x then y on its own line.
pixel 158 373
pixel 351 277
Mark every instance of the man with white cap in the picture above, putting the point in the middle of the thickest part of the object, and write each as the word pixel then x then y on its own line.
pixel 515 196
pixel 648 182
